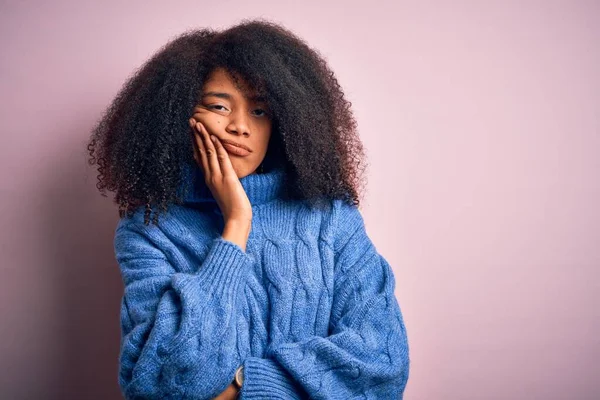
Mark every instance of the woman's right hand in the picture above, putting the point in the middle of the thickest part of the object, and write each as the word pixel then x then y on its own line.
pixel 220 177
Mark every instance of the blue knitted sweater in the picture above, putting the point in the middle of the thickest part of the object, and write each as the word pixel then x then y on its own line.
pixel 308 309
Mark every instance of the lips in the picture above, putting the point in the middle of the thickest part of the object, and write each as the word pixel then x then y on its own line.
pixel 236 144
pixel 235 148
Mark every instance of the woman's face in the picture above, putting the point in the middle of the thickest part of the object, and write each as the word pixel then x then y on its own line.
pixel 226 112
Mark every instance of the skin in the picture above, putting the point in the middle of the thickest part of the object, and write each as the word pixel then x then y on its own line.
pixel 237 117
pixel 231 115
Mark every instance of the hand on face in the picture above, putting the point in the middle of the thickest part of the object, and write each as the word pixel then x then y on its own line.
pixel 219 175
pixel 242 128
pixel 232 111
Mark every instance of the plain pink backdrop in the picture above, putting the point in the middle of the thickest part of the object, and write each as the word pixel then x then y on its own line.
pixel 481 122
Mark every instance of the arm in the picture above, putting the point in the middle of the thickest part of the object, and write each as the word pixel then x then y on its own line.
pixel 366 352
pixel 178 337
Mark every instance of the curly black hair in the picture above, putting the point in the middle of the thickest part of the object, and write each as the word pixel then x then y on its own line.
pixel 142 142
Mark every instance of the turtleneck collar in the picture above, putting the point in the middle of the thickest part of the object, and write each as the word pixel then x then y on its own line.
pixel 260 188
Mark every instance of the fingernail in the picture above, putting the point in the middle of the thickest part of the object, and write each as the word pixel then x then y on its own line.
pixel 213 138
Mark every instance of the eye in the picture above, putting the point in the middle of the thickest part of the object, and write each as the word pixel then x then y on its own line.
pixel 264 113
pixel 217 105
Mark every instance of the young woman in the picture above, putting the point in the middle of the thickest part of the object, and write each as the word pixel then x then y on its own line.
pixel 247 269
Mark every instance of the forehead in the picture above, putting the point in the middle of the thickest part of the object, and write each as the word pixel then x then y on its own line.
pixel 221 79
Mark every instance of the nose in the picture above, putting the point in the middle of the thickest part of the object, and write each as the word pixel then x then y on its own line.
pixel 238 124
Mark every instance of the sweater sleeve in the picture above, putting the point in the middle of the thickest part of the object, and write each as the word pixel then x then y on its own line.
pixel 177 325
pixel 366 353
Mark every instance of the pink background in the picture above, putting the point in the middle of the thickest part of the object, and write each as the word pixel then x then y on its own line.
pixel 481 121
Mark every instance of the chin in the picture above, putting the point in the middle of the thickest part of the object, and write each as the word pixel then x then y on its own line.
pixel 242 170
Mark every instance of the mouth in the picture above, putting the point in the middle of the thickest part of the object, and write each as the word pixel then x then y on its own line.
pixel 235 148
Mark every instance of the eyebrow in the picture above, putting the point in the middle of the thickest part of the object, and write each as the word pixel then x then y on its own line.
pixel 227 96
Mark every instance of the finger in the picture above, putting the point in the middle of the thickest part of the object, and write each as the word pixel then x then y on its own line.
pixel 202 162
pixel 223 157
pixel 197 111
pixel 194 145
pixel 211 152
pixel 202 152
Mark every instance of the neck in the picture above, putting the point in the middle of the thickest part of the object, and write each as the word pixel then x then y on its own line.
pixel 260 188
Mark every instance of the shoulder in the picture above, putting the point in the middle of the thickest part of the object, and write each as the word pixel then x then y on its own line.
pixel 177 221
pixel 132 234
pixel 346 213
pixel 354 251
pixel 348 223
pixel 134 223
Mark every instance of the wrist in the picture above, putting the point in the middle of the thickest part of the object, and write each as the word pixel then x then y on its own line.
pixel 239 222
pixel 237 233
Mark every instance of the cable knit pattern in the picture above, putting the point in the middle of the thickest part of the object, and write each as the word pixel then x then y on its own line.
pixel 309 308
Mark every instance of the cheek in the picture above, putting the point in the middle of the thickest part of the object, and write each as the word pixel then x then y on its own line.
pixel 264 145
pixel 211 121
pixel 263 139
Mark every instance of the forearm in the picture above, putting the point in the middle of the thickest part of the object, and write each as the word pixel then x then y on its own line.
pixel 175 323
